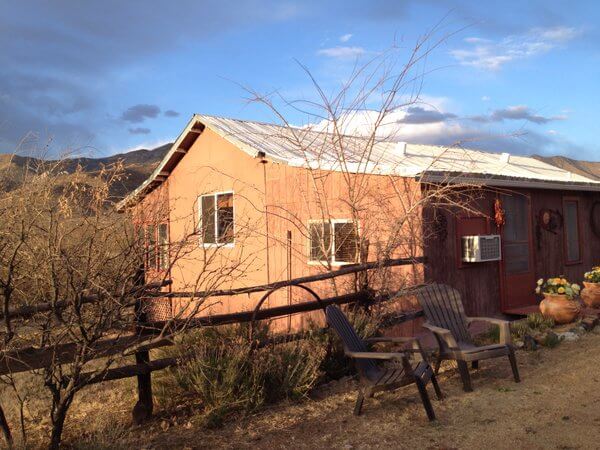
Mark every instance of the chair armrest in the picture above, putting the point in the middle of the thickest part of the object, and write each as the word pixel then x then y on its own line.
pixel 504 326
pixel 442 335
pixel 416 345
pixel 377 355
pixel 394 340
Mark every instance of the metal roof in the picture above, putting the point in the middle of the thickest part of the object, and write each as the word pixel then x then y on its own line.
pixel 303 147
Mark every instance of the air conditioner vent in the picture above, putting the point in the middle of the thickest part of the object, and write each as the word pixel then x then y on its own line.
pixel 481 248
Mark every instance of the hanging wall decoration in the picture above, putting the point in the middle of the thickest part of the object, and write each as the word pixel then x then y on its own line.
pixel 499 214
pixel 547 220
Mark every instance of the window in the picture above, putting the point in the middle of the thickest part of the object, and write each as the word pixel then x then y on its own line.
pixel 572 239
pixel 216 218
pixel 163 247
pixel 341 246
pixel 156 245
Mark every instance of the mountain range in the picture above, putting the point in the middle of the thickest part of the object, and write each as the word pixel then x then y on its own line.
pixel 139 164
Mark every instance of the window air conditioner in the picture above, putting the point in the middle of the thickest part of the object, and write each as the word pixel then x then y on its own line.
pixel 481 248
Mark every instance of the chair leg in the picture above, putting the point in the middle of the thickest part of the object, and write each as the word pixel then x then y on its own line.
pixel 436 387
pixel 359 402
pixel 513 364
pixel 438 363
pixel 463 369
pixel 425 399
pixel 475 365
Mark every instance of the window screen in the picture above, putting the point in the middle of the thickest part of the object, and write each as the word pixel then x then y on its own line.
pixel 572 231
pixel 345 242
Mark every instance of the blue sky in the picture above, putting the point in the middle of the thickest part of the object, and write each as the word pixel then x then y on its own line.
pixel 104 77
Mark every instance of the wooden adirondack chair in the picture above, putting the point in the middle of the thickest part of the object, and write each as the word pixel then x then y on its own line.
pixel 447 320
pixel 372 377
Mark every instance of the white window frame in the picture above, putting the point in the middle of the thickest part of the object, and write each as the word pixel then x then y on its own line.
pixel 333 262
pixel 201 236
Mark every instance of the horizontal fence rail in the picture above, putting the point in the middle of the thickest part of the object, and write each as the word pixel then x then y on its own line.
pixel 149 335
pixel 25 312
pixel 346 270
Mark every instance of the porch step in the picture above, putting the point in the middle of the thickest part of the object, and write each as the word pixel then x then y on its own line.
pixel 525 310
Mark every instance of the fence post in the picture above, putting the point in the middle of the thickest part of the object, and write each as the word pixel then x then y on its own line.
pixel 142 410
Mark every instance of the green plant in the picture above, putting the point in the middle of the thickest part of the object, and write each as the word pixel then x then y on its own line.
pixel 558 286
pixel 534 323
pixel 226 373
pixel 593 276
pixel 537 321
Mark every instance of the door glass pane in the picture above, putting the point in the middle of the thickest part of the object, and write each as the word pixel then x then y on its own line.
pixel 517 215
pixel 516 234
pixel 572 231
pixel 516 257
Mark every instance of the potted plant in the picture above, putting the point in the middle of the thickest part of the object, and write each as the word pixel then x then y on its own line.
pixel 591 293
pixel 559 303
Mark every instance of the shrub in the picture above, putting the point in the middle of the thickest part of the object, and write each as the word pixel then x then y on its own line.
pixel 221 369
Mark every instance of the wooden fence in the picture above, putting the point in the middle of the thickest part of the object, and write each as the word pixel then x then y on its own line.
pixel 148 335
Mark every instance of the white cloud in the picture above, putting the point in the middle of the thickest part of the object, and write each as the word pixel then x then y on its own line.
pixel 449 129
pixel 345 37
pixel 492 55
pixel 485 98
pixel 342 52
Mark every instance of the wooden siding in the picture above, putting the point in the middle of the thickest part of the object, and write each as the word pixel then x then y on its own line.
pixel 479 283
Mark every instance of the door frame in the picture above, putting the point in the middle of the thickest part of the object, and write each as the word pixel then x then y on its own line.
pixel 532 257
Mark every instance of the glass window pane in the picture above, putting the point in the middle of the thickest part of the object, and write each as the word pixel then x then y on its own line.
pixel 163 247
pixel 151 239
pixel 320 241
pixel 207 221
pixel 345 242
pixel 225 218
pixel 572 231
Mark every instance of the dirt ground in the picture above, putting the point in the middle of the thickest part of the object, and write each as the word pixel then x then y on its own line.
pixel 556 406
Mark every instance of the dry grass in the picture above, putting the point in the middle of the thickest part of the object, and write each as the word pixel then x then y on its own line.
pixel 554 407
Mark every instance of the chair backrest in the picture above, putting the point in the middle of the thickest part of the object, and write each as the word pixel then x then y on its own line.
pixel 352 342
pixel 443 308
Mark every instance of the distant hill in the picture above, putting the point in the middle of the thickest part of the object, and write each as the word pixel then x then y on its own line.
pixel 138 165
pixel 588 169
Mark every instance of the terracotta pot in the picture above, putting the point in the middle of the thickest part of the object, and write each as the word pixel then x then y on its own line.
pixel 591 294
pixel 559 308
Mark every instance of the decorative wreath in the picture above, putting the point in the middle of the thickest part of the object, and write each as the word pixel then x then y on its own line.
pixel 550 220
pixel 595 218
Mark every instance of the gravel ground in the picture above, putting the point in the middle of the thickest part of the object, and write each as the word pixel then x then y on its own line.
pixel 557 406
